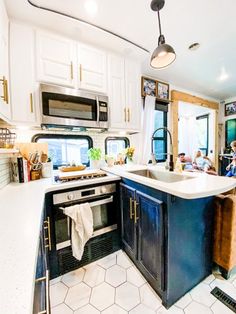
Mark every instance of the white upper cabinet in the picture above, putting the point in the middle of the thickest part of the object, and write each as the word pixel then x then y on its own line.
pixel 92 68
pixel 5 109
pixel 55 59
pixel 124 94
pixel 132 94
pixel 24 97
pixel 116 73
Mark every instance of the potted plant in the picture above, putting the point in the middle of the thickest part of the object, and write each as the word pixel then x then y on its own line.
pixel 94 155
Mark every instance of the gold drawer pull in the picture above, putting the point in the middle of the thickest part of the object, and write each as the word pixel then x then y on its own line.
pixel 129 112
pixel 71 71
pixel 31 103
pixel 48 238
pixel 5 89
pixel 131 214
pixel 80 72
pixel 135 212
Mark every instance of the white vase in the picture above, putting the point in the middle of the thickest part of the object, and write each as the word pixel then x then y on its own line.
pixel 129 161
pixel 94 164
pixel 47 168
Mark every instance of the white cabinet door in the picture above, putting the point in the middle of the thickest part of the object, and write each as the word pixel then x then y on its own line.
pixel 132 94
pixel 116 93
pixel 55 59
pixel 5 109
pixel 92 69
pixel 23 98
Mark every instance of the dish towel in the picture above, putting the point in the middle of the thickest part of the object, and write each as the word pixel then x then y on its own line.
pixel 82 227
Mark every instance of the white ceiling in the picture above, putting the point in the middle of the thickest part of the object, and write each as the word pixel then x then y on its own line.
pixel 211 23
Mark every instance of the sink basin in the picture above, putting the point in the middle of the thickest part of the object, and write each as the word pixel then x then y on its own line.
pixel 168 177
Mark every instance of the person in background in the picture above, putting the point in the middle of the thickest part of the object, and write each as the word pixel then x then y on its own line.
pixel 203 163
pixel 185 161
pixel 231 168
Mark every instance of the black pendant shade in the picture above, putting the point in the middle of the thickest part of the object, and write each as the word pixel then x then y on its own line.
pixel 164 54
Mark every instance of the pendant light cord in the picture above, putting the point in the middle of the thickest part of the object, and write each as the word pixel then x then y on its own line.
pixel 159 21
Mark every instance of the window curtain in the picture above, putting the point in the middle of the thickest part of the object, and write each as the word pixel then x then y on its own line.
pixel 188 143
pixel 147 128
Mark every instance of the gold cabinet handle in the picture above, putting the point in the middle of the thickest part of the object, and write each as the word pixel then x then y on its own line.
pixel 45 278
pixel 71 71
pixel 80 72
pixel 125 114
pixel 135 212
pixel 129 111
pixel 131 214
pixel 31 103
pixel 5 89
pixel 48 238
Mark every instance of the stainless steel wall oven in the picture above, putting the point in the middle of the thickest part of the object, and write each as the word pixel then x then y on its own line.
pixel 104 202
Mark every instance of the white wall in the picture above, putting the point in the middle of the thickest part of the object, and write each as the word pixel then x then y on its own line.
pixel 4 171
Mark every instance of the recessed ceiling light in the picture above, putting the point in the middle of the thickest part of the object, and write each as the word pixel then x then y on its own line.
pixel 194 46
pixel 91 7
pixel 223 75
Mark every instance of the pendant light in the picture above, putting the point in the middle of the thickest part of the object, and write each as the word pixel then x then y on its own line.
pixel 164 54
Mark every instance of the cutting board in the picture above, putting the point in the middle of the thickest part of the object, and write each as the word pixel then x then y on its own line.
pixel 27 148
pixel 78 174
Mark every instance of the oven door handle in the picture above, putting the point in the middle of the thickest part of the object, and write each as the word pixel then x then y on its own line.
pixel 101 202
pixel 96 203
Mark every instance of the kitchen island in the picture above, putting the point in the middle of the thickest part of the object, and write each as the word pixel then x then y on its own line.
pixel 21 209
pixel 167 226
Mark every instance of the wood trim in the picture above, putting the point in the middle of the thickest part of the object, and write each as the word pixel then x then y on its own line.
pixel 177 96
pixel 180 96
pixel 174 108
pixel 216 161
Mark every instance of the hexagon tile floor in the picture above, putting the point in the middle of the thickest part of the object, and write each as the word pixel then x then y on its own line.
pixel 113 285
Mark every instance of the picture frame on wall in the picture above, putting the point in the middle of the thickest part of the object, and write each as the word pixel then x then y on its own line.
pixel 230 108
pixel 162 90
pixel 148 87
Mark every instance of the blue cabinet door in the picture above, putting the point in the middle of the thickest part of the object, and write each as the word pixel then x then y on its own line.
pixel 150 236
pixel 128 227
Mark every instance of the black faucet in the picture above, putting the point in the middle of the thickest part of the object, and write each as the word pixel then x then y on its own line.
pixel 171 162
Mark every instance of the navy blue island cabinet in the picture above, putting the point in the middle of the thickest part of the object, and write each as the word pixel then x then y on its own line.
pixel 168 238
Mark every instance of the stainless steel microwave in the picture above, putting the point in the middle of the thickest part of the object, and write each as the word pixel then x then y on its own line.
pixel 67 107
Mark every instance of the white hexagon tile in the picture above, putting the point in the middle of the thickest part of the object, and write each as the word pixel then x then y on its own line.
pixel 113 285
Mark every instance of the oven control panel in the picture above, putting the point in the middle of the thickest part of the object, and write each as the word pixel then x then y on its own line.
pixel 83 194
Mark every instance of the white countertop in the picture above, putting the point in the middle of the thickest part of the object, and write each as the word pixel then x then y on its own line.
pixel 21 208
pixel 200 184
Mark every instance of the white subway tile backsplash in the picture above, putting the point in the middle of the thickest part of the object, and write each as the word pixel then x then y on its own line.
pixel 5 170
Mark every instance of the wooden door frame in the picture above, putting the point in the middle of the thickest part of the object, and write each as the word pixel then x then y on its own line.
pixel 176 97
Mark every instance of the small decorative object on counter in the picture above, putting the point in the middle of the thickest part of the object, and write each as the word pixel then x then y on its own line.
pixel 129 152
pixel 110 160
pixel 95 155
pixel 47 168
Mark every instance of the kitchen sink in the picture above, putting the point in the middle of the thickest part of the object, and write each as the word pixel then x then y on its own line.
pixel 168 177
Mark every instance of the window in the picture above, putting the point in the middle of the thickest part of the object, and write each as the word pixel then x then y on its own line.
pixel 66 149
pixel 115 145
pixel 202 134
pixel 160 139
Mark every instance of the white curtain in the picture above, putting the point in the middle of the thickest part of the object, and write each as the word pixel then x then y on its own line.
pixel 147 129
pixel 188 143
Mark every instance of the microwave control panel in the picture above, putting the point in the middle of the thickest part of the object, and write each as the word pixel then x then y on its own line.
pixel 103 111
